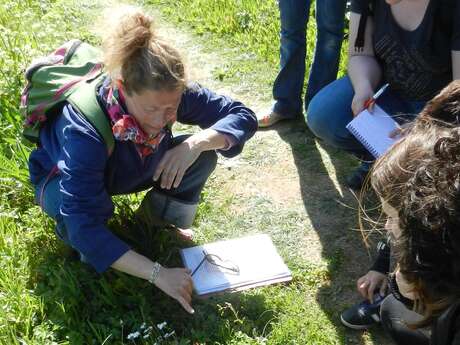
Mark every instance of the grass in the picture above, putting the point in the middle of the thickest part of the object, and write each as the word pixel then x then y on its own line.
pixel 48 297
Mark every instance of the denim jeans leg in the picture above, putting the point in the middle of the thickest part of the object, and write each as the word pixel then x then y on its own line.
pixel 49 198
pixel 329 112
pixel 287 88
pixel 178 205
pixel 330 22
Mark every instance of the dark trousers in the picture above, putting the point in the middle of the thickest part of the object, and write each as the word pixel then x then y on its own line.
pixel 396 317
pixel 175 206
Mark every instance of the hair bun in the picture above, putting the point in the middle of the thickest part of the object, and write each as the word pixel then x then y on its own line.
pixel 127 31
pixel 137 31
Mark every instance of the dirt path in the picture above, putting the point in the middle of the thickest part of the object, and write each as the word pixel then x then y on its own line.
pixel 301 179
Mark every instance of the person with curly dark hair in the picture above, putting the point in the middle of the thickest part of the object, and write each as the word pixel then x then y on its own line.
pixel 418 181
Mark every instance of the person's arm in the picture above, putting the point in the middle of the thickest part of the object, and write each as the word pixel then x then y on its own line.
pixel 363 68
pixel 86 204
pixel 177 160
pixel 455 65
pixel 87 207
pixel 201 106
pixel 376 278
pixel 226 125
pixel 175 282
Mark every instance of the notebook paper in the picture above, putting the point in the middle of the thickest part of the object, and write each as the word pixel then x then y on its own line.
pixel 255 256
pixel 373 130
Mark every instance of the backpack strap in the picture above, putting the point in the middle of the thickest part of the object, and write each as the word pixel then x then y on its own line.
pixel 84 99
pixel 359 41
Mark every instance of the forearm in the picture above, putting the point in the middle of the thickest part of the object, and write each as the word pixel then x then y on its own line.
pixel 134 264
pixel 364 72
pixel 207 139
pixel 382 262
pixel 176 282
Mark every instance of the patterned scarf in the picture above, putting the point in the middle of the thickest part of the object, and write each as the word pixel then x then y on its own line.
pixel 124 125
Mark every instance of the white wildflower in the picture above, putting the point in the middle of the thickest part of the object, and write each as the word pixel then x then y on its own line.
pixel 133 335
pixel 148 329
pixel 167 335
pixel 162 325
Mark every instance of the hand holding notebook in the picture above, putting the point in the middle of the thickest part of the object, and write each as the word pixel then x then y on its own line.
pixel 374 130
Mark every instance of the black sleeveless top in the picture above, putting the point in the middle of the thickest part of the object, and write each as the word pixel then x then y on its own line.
pixel 417 64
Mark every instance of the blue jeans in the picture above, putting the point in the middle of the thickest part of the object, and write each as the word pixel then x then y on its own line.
pixel 330 111
pixel 294 14
pixel 174 204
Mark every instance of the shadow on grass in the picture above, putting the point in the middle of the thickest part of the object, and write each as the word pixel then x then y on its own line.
pixel 332 214
pixel 83 307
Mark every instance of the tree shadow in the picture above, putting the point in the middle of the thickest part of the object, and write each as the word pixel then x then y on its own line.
pixel 83 307
pixel 332 210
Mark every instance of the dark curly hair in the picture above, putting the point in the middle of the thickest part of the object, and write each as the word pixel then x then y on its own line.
pixel 420 177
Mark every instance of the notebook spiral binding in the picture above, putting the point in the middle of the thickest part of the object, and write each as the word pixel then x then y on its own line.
pixel 363 141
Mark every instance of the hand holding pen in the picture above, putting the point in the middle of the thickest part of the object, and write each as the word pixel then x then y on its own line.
pixel 365 99
pixel 369 104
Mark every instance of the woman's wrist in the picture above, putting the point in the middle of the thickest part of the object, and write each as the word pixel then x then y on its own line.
pixel 155 273
pixel 206 140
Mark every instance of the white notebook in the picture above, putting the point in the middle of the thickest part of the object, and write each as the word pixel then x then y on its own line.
pixel 373 130
pixel 242 263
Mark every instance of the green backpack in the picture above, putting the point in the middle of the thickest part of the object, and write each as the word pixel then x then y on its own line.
pixel 72 73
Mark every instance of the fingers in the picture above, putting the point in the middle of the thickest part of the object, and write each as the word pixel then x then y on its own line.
pixel 179 176
pixel 167 169
pixel 394 133
pixel 356 108
pixel 383 288
pixel 185 298
pixel 371 291
pixel 168 176
pixel 188 287
pixel 370 107
pixel 186 305
pixel 186 234
pixel 362 287
pixel 161 166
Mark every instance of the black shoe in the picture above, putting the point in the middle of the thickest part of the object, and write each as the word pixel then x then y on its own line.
pixel 356 180
pixel 362 315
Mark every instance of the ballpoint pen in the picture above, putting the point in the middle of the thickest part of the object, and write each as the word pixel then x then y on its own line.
pixel 371 101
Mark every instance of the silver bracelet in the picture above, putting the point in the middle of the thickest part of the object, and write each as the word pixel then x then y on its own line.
pixel 155 272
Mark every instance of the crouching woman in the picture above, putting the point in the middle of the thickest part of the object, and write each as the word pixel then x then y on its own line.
pixel 144 92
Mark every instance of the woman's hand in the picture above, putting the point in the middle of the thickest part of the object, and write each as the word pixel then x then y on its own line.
pixel 175 163
pixel 177 160
pixel 370 282
pixel 358 104
pixel 177 283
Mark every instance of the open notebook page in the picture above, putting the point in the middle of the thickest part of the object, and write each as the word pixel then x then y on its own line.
pixel 255 256
pixel 373 130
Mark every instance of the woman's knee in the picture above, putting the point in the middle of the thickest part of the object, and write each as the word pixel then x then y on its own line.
pixel 330 110
pixel 207 162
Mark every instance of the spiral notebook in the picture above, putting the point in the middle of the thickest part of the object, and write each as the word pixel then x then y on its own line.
pixel 235 265
pixel 373 130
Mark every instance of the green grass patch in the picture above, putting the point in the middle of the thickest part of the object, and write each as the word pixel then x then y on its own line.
pixel 48 297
